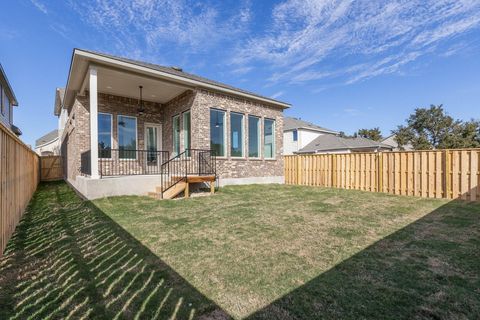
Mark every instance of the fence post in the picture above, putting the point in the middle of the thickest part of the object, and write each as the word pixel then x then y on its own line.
pixel 297 170
pixel 447 179
pixel 334 170
pixel 379 185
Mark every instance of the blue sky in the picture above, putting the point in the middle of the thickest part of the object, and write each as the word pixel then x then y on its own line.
pixel 344 65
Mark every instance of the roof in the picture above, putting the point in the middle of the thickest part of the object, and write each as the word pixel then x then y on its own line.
pixel 4 81
pixel 49 137
pixel 290 123
pixel 390 140
pixel 331 142
pixel 178 72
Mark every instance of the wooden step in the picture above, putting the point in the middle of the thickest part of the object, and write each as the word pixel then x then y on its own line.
pixel 170 193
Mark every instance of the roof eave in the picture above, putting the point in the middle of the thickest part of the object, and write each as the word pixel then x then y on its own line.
pixel 12 97
pixel 93 57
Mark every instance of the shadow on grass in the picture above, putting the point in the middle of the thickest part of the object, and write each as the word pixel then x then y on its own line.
pixel 67 259
pixel 427 270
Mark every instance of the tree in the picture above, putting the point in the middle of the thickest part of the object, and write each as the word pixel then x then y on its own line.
pixel 373 134
pixel 433 128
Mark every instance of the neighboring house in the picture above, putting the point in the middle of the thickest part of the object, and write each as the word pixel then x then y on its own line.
pixel 298 133
pixel 7 102
pixel 390 140
pixel 121 120
pixel 48 145
pixel 337 144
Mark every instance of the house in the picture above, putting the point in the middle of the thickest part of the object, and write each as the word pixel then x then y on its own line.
pixel 390 140
pixel 48 144
pixel 336 144
pixel 133 127
pixel 298 133
pixel 7 102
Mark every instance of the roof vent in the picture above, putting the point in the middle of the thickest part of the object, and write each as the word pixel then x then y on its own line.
pixel 177 68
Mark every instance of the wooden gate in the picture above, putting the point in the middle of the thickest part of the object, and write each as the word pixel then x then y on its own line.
pixel 51 168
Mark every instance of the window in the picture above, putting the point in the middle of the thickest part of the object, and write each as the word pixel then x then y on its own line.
pixel 236 135
pixel 217 132
pixel 104 135
pixel 176 135
pixel 253 137
pixel 127 137
pixel 269 138
pixel 187 131
pixel 295 135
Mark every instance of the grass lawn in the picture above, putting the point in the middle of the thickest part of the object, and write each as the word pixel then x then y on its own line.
pixel 256 252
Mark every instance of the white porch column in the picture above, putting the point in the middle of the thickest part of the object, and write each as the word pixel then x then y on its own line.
pixel 93 122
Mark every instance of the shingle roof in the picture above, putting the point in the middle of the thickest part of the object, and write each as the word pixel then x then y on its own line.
pixel 329 142
pixel 179 72
pixel 290 123
pixel 47 138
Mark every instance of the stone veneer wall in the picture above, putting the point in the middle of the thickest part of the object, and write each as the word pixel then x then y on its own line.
pixel 76 139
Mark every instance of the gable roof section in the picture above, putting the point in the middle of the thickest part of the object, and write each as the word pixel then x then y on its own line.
pixel 170 73
pixel 6 85
pixel 290 123
pixel 331 142
pixel 49 137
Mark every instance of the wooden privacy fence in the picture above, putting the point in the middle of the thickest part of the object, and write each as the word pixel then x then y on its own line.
pixel 19 177
pixel 449 174
pixel 51 168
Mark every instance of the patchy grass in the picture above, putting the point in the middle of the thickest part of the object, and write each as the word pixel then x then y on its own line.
pixel 261 252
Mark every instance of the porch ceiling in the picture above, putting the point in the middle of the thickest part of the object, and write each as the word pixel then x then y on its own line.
pixel 125 84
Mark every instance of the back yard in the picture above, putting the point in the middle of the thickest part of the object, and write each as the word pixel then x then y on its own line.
pixel 256 252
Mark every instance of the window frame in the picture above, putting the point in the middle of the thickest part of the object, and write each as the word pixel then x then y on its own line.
pixel 295 135
pixel 242 138
pixel 259 136
pixel 273 139
pixel 111 133
pixel 136 137
pixel 225 138
pixel 184 131
pixel 175 152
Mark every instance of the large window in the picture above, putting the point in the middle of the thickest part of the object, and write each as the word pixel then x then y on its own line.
pixel 253 137
pixel 217 132
pixel 104 135
pixel 176 135
pixel 187 131
pixel 127 137
pixel 236 134
pixel 269 138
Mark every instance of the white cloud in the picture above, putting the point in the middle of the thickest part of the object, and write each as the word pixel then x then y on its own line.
pixel 40 6
pixel 351 41
pixel 156 25
pixel 277 94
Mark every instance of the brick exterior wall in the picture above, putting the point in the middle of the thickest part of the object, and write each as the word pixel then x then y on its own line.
pixel 76 137
pixel 245 167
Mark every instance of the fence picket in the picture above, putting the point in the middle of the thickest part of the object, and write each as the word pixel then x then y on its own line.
pixel 447 174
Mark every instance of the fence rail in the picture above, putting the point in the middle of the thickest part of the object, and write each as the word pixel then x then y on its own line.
pixel 19 177
pixel 449 174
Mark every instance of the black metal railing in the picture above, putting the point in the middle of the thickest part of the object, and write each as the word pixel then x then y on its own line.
pixel 190 162
pixel 119 162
